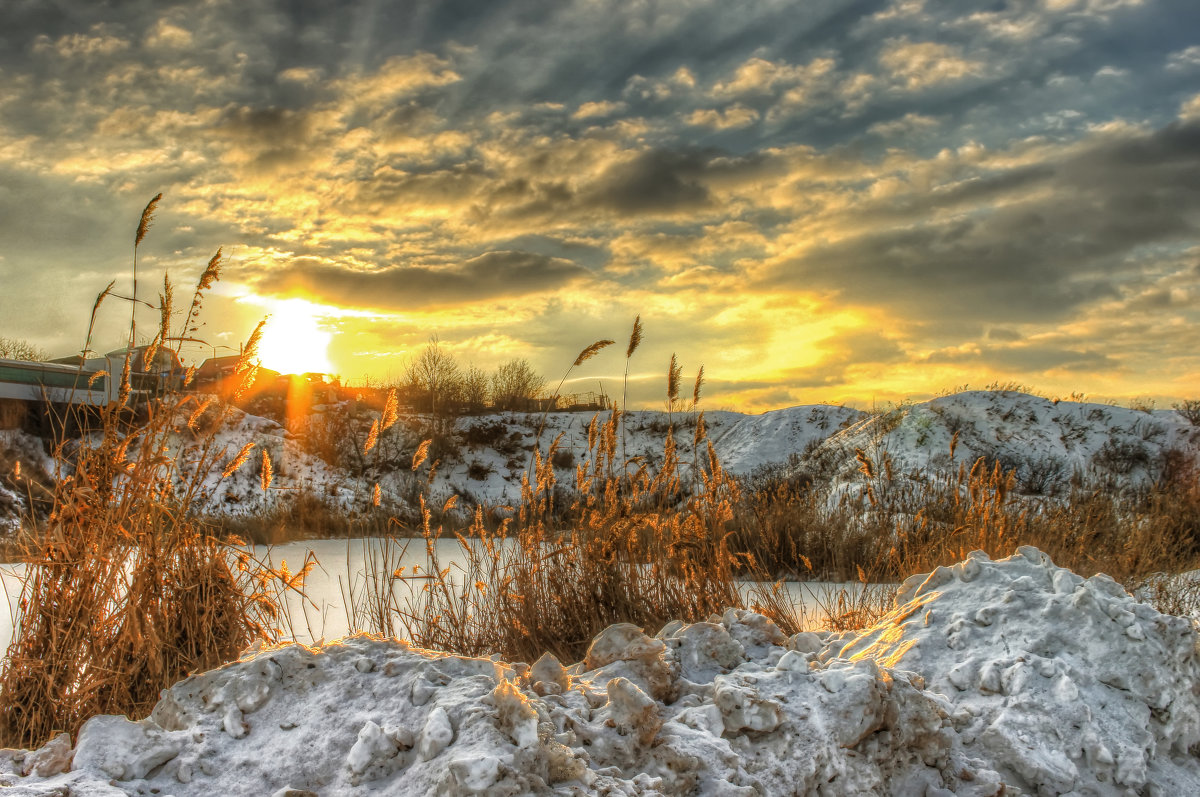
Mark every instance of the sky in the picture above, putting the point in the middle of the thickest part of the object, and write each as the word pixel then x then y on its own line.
pixel 817 200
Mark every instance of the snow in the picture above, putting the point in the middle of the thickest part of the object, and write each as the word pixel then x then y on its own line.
pixel 1011 676
pixel 988 676
pixel 1047 442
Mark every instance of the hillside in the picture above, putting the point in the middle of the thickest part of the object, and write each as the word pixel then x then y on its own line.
pixel 481 459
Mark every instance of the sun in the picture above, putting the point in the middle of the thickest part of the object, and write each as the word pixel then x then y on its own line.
pixel 293 341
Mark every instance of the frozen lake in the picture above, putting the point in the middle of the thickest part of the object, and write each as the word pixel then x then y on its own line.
pixel 339 581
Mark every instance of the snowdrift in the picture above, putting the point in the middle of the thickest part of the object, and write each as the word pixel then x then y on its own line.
pixel 990 677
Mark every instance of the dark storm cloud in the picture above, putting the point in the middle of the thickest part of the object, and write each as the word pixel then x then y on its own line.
pixel 493 275
pixel 1011 253
pixel 658 181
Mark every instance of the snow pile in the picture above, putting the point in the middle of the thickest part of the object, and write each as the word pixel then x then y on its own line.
pixel 1045 442
pixel 992 677
pixel 293 468
pixel 1059 682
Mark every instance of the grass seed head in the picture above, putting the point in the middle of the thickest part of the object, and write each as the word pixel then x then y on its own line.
pixel 267 472
pixel 635 337
pixel 146 220
pixel 591 351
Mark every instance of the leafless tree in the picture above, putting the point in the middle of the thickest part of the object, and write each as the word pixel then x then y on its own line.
pixel 475 388
pixel 515 385
pixel 17 349
pixel 433 373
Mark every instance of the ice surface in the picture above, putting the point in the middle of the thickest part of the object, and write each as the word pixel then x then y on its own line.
pixel 989 677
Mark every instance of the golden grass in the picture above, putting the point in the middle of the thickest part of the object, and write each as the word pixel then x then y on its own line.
pixel 897 527
pixel 627 549
pixel 125 590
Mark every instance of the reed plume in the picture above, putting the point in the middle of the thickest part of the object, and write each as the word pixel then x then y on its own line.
pixel 237 461
pixel 143 227
pixel 674 374
pixel 372 438
pixel 635 340
pixel 268 472
pixel 146 220
pixel 635 337
pixel 420 454
pixel 589 352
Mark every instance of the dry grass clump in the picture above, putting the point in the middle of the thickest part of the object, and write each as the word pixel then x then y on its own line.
pixel 631 546
pixel 125 592
pixel 893 527
pixel 636 549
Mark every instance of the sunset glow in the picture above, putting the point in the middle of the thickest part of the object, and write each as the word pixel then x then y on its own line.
pixel 818 201
pixel 293 341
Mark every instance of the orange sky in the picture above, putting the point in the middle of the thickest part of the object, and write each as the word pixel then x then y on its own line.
pixel 816 201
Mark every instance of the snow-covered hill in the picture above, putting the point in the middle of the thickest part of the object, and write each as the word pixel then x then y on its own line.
pixel 989 678
pixel 1045 442
pixel 482 458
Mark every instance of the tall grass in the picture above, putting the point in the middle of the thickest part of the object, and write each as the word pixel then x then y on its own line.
pixel 125 591
pixel 627 549
pixel 892 527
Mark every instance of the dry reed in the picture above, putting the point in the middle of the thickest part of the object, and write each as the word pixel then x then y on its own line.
pixel 125 591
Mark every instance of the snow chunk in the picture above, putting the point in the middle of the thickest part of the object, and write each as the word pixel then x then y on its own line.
pixel 124 750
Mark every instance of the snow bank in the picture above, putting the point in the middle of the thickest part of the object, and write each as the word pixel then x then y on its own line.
pixel 1008 677
pixel 1044 441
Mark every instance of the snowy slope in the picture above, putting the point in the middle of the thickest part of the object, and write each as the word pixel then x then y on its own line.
pixel 484 457
pixel 990 677
pixel 1045 442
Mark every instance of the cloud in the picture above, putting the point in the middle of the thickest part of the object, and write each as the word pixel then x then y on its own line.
pixel 656 181
pixel 1033 240
pixel 760 77
pixel 1027 358
pixel 1190 110
pixel 731 118
pixel 909 123
pixel 965 180
pixel 487 277
pixel 396 78
pixel 166 35
pixel 97 43
pixel 1184 60
pixel 593 110
pixel 921 65
pixel 841 355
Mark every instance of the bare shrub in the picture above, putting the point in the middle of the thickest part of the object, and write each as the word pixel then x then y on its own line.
pixel 1190 410
pixel 478 470
pixel 515 385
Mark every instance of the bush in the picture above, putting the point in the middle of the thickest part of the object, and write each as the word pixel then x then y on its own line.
pixel 478 470
pixel 1190 410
